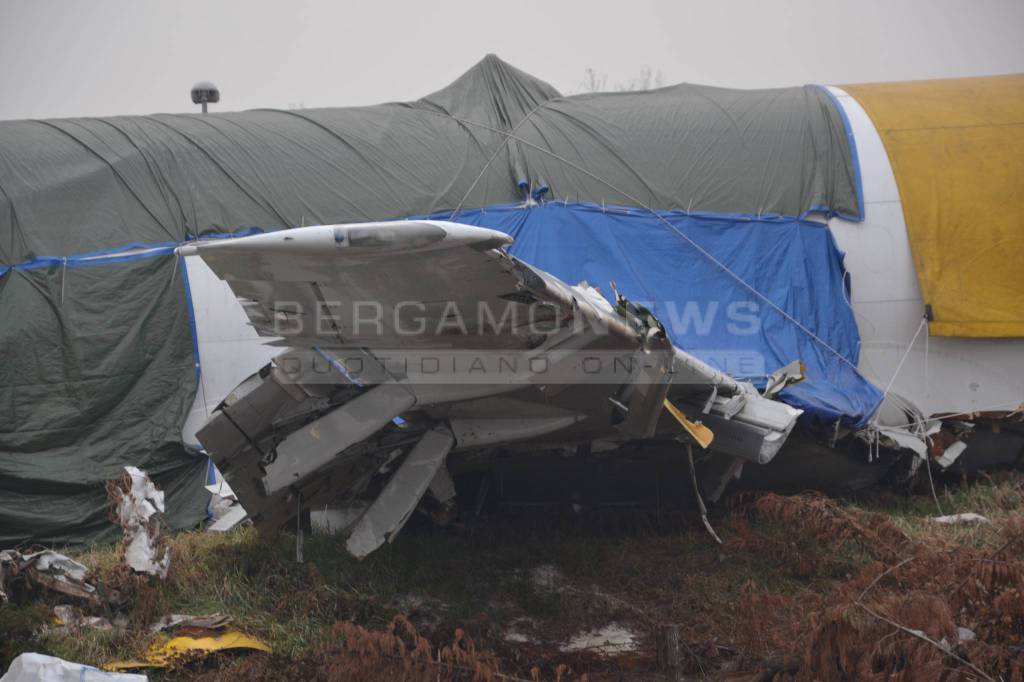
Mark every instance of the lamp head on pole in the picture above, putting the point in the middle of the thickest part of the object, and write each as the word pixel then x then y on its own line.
pixel 204 92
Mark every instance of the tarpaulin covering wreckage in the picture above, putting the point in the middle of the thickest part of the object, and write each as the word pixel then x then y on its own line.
pixel 685 195
pixel 957 151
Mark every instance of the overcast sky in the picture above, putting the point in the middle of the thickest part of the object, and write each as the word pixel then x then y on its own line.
pixel 72 58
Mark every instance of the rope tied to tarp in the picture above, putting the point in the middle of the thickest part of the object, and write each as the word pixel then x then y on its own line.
pixel 510 135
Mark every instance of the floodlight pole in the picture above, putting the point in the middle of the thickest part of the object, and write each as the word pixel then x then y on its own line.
pixel 203 92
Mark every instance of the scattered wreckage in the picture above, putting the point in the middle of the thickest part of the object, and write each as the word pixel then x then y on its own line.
pixel 136 505
pixel 536 365
pixel 180 639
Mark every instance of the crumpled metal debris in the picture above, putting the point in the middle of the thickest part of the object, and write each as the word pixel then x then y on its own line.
pixel 32 667
pixel 177 622
pixel 610 640
pixel 66 617
pixel 137 502
pixel 227 518
pixel 48 569
pixel 170 652
pixel 225 509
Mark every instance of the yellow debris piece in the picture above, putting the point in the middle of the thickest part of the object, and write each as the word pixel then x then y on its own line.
pixel 168 652
pixel 957 150
pixel 702 434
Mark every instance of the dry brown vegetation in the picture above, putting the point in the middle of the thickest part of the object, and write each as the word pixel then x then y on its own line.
pixel 804 588
pixel 899 616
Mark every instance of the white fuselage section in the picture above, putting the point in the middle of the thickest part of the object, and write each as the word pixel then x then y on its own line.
pixel 940 374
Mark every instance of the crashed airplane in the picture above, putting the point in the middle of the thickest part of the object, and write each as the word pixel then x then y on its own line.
pixel 409 341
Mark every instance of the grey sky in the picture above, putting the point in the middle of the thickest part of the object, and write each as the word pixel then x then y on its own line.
pixel 72 58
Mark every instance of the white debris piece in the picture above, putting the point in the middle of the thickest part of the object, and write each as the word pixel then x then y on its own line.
pixel 951 454
pixel 69 617
pixel 134 512
pixel 965 634
pixel 229 519
pixel 336 520
pixel 40 668
pixel 403 491
pixel 517 637
pixel 225 510
pixel 220 486
pixel 57 564
pixel 50 569
pixel 517 631
pixel 969 517
pixel 609 640
pixel 547 578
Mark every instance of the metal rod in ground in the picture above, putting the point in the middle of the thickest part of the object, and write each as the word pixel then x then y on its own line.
pixel 696 493
pixel 298 529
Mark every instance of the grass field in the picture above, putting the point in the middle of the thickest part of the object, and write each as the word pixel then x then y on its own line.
pixel 803 587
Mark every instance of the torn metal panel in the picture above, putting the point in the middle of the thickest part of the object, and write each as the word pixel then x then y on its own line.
pixel 793 373
pixel 745 424
pixel 905 439
pixel 951 454
pixel 471 433
pixel 231 518
pixel 389 512
pixel 989 447
pixel 336 520
pixel 442 487
pixel 700 433
pixel 718 474
pixel 169 652
pixel 179 621
pixel 315 444
pixel 48 569
pixel 137 503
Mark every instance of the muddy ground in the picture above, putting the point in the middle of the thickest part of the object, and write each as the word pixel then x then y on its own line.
pixel 803 587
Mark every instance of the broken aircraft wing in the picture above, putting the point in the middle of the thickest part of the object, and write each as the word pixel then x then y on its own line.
pixel 405 340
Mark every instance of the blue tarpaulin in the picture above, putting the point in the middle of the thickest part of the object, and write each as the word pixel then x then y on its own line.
pixel 777 292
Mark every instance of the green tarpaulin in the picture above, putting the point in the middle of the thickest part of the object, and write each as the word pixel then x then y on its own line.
pixel 98 373
pixel 97 359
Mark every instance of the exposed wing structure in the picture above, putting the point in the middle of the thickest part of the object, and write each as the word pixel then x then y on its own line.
pixel 406 340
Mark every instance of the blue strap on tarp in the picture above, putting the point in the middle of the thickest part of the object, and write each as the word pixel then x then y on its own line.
pixel 858 183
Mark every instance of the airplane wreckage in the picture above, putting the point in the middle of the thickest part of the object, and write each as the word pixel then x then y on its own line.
pixel 537 364
pixel 497 294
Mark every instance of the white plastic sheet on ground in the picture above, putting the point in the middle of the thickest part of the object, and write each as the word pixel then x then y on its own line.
pixel 953 519
pixel 40 668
